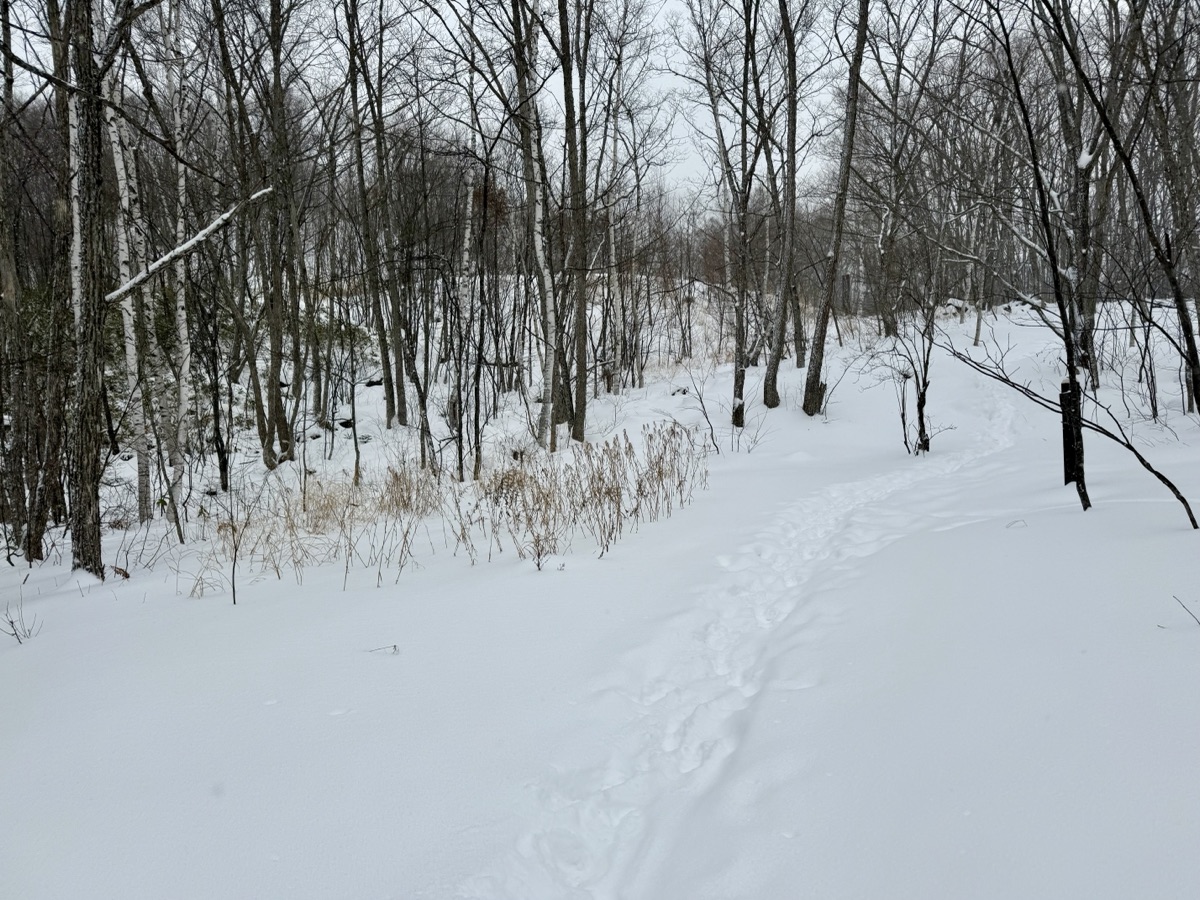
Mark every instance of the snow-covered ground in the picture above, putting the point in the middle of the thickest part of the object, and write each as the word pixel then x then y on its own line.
pixel 842 672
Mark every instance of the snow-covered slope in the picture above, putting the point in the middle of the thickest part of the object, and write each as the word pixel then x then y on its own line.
pixel 842 672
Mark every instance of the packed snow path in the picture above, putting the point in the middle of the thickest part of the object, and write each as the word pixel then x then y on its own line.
pixel 692 691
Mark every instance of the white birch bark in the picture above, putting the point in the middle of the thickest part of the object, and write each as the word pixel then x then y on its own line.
pixel 130 260
pixel 76 220
pixel 183 398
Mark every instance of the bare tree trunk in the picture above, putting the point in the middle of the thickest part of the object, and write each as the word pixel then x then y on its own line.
pixel 525 62
pixel 788 238
pixel 367 226
pixel 87 293
pixel 276 244
pixel 8 265
pixel 389 274
pixel 1072 393
pixel 13 494
pixel 177 439
pixel 737 163
pixel 131 259
pixel 814 387
pixel 576 138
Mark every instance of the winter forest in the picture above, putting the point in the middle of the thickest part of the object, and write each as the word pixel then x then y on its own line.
pixel 384 293
pixel 218 218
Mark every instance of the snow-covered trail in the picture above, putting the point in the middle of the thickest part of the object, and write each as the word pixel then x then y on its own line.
pixel 688 694
pixel 993 711
pixel 842 673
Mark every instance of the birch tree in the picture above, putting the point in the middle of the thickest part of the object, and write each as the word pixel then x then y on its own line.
pixel 130 234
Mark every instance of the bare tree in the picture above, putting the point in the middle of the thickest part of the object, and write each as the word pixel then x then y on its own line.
pixel 814 387
pixel 794 18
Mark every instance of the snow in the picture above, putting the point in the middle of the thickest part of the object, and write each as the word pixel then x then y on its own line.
pixel 842 672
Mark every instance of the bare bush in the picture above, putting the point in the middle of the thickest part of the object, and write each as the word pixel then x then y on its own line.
pixel 533 501
pixel 596 489
pixel 14 625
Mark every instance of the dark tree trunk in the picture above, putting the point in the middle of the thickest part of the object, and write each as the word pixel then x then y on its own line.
pixel 814 387
pixel 87 441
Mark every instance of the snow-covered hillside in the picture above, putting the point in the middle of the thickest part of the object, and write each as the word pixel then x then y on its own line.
pixel 841 672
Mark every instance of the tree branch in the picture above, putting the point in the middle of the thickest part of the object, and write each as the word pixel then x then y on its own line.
pixel 185 248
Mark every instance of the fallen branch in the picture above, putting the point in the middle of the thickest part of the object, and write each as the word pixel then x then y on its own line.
pixel 183 249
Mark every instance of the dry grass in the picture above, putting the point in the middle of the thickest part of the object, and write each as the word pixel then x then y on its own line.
pixel 537 505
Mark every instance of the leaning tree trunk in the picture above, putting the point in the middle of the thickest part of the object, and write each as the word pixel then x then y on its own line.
pixel 814 387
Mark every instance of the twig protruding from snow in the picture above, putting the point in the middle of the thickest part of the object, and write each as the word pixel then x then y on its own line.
pixel 1185 609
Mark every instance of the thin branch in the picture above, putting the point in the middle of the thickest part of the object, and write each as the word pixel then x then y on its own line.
pixel 1186 610
pixel 997 373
